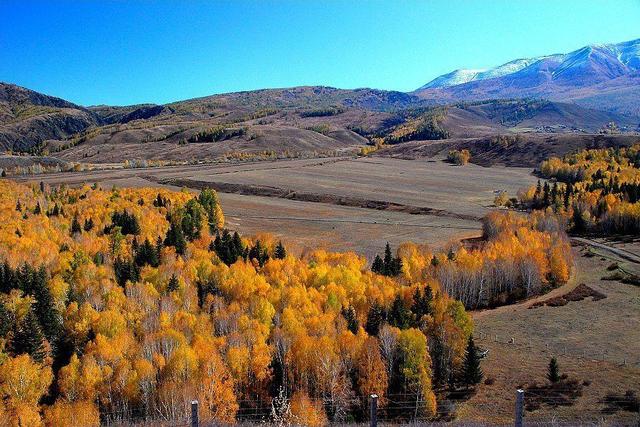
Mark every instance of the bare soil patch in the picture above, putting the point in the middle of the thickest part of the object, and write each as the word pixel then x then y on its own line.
pixel 579 293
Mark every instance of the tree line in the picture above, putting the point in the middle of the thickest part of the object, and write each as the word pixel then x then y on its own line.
pixel 594 191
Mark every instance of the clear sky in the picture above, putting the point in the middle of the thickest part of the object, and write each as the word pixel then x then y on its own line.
pixel 125 52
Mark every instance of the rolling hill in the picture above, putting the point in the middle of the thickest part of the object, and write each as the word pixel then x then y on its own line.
pixel 28 118
pixel 307 121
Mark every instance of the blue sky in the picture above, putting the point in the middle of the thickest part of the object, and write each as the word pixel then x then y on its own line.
pixel 125 52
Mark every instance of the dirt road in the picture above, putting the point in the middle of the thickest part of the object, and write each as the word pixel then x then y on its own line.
pixel 622 253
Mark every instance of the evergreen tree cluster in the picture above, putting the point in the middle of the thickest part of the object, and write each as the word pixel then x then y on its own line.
pixel 126 270
pixel 185 224
pixel 401 314
pixel 280 251
pixel 389 266
pixel 175 238
pixel 191 217
pixel 42 321
pixel 404 315
pixel 207 288
pixel 127 222
pixel 88 224
pixel 55 211
pixel 229 248
pixel 161 202
pixel 76 228
pixel 147 253
pixel 259 253
pixel 208 199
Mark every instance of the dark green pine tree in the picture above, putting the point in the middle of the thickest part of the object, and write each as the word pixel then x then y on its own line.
pixel 45 309
pixel 173 284
pixel 422 302
pixel 221 249
pixel 191 220
pixel 75 226
pixel 159 201
pixel 126 270
pixel 388 261
pixel 579 223
pixel 350 316
pixel 146 254
pixel 375 319
pixel 396 266
pixel 400 316
pixel 19 206
pixel 126 221
pixel 472 373
pixel 37 210
pixel 175 238
pixel 553 371
pixel 5 320
pixel 441 369
pixel 208 199
pixel 237 247
pixel 7 278
pixel 27 338
pixel 280 252
pixel 378 265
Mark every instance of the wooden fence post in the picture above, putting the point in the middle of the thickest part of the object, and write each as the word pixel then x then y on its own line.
pixel 519 407
pixel 194 414
pixel 373 410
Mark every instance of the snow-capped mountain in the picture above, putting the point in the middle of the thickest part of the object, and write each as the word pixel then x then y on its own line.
pixel 604 76
pixel 615 59
pixel 458 77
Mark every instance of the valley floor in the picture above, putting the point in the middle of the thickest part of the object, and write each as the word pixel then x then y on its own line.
pixel 358 203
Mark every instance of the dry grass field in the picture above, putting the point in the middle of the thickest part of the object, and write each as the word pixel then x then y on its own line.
pixel 453 198
pixel 595 342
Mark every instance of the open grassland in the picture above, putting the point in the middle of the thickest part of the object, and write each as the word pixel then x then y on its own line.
pixel 340 203
pixel 595 342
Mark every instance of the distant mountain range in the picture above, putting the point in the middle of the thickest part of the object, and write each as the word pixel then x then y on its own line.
pixel 577 93
pixel 605 77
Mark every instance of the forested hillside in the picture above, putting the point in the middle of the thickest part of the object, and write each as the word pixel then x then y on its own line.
pixel 125 304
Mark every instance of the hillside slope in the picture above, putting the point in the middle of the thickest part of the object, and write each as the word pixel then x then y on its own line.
pixel 28 118
pixel 306 121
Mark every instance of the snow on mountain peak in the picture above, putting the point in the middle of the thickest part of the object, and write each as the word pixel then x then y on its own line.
pixel 625 55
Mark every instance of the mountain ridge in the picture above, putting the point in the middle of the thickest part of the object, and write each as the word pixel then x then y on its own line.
pixel 602 76
pixel 627 53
